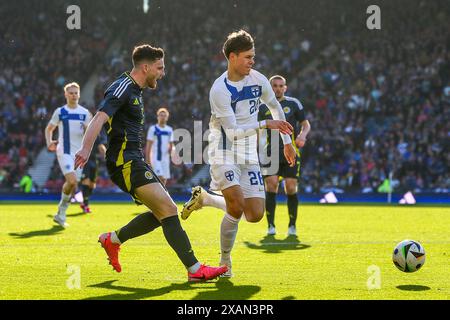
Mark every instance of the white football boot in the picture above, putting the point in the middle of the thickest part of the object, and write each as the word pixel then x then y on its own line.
pixel 229 273
pixel 59 219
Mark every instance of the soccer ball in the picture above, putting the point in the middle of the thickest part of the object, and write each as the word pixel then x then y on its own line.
pixel 409 256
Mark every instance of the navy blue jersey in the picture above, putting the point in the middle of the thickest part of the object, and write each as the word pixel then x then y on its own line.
pixel 124 105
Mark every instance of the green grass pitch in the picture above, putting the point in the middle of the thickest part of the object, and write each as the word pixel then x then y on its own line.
pixel 331 259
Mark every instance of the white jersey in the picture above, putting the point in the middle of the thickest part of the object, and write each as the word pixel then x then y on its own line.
pixel 71 127
pixel 161 137
pixel 239 99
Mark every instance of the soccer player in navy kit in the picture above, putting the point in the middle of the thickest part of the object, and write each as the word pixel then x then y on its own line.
pixel 122 114
pixel 90 171
pixel 295 115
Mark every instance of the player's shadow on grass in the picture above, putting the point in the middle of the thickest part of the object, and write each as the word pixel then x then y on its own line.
pixel 71 215
pixel 221 289
pixel 413 287
pixel 271 245
pixel 131 293
pixel 37 233
pixel 226 290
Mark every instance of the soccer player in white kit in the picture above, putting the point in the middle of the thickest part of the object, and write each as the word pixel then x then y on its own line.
pixel 160 145
pixel 71 121
pixel 235 98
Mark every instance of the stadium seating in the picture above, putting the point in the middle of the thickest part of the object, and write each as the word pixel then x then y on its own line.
pixel 377 101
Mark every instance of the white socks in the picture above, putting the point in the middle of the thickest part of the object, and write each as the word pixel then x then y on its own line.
pixel 194 268
pixel 212 200
pixel 228 232
pixel 64 203
pixel 114 238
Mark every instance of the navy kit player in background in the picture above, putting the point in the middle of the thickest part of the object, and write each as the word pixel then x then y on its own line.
pixel 160 145
pixel 122 114
pixel 295 115
pixel 71 121
pixel 90 171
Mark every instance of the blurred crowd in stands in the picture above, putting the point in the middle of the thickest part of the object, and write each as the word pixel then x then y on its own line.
pixel 377 100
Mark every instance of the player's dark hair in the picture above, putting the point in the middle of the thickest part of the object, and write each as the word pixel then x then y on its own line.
pixel 146 52
pixel 237 42
pixel 277 77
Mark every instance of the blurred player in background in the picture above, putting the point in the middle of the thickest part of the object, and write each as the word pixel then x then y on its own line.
pixel 235 98
pixel 122 114
pixel 295 115
pixel 71 120
pixel 90 171
pixel 160 145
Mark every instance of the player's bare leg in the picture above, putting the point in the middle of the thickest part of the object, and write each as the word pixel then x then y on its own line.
pixel 271 184
pixel 66 194
pixel 163 207
pixel 292 201
pixel 254 209
pixel 166 211
pixel 140 225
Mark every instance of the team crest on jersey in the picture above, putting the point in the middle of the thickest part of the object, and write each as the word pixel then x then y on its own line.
pixel 229 175
pixel 148 175
pixel 255 91
pixel 286 109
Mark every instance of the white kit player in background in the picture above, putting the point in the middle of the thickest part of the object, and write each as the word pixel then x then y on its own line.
pixel 159 146
pixel 71 121
pixel 235 98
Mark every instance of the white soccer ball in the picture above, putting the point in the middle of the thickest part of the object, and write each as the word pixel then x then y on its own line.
pixel 409 256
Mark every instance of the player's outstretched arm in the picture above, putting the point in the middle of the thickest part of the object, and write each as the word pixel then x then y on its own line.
pixel 220 108
pixel 290 154
pixel 277 113
pixel 102 150
pixel 51 126
pixel 301 138
pixel 282 125
pixel 92 131
pixel 51 144
pixel 233 131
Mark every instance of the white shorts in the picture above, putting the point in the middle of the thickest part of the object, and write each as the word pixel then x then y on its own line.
pixel 248 176
pixel 67 164
pixel 161 168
